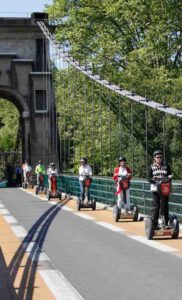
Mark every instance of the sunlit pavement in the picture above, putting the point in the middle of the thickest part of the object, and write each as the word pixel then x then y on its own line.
pixel 130 228
pixel 20 278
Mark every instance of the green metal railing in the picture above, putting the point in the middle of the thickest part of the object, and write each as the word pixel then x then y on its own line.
pixel 103 190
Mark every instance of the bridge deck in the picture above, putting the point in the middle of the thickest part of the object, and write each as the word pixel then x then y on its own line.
pixel 87 246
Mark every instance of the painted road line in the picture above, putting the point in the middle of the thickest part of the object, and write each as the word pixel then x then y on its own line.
pixel 53 202
pixel 2 206
pixel 110 226
pixel 33 194
pixel 39 256
pixel 10 219
pixel 84 216
pixel 66 208
pixel 28 246
pixel 59 285
pixel 30 192
pixel 19 231
pixel 4 211
pixel 35 252
pixel 153 244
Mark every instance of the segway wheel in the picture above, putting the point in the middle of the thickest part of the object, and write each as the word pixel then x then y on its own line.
pixel 149 228
pixel 48 195
pixel 93 204
pixel 135 214
pixel 78 204
pixel 175 226
pixel 36 190
pixel 116 213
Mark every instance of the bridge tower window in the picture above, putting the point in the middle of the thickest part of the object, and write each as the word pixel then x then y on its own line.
pixel 40 101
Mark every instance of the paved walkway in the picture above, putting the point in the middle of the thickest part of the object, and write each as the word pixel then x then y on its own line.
pixel 19 277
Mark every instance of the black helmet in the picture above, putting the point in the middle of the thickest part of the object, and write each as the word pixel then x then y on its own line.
pixel 122 159
pixel 52 164
pixel 156 152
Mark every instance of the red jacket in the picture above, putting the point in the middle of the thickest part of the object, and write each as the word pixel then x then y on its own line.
pixel 116 172
pixel 115 177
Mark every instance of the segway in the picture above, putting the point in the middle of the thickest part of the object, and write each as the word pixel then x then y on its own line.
pixel 54 192
pixel 86 203
pixel 164 230
pixel 132 212
pixel 40 186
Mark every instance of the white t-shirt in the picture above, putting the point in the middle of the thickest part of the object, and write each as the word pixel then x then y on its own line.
pixel 52 171
pixel 27 168
pixel 83 171
pixel 122 171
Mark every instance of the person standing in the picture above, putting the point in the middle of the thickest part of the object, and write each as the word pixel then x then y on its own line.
pixel 122 170
pixel 158 170
pixel 84 170
pixel 39 170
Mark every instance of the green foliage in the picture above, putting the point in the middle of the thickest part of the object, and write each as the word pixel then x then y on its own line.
pixel 8 125
pixel 136 44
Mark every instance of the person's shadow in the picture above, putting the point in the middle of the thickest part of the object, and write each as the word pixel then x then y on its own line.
pixel 37 235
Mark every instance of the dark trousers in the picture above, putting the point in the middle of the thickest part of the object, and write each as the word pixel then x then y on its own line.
pixel 160 205
pixel 18 179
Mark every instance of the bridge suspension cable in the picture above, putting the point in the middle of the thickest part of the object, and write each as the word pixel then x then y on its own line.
pixel 125 93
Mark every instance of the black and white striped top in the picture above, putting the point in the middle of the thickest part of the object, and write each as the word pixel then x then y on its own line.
pixel 158 171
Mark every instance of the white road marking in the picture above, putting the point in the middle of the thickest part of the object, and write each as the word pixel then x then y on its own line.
pixel 10 219
pixel 84 216
pixel 53 202
pixel 2 206
pixel 28 246
pixel 35 252
pixel 154 244
pixel 59 285
pixel 4 211
pixel 66 208
pixel 19 231
pixel 110 226
pixel 39 256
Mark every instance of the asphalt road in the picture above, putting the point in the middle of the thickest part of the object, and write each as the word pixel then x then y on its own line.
pixel 99 263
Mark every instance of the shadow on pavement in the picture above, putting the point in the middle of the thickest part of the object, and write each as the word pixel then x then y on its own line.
pixel 34 240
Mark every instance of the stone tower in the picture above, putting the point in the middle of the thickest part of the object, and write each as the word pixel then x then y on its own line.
pixel 26 81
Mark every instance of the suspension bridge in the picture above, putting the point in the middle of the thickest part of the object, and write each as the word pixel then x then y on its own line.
pixel 57 252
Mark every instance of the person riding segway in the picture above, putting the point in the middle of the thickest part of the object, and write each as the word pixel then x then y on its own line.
pixel 27 175
pixel 123 209
pixel 40 171
pixel 160 178
pixel 53 191
pixel 85 173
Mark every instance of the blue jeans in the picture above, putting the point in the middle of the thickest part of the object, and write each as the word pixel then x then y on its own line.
pixel 82 191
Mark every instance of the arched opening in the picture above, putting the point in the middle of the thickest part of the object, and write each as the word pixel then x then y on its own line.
pixel 14 128
pixel 10 138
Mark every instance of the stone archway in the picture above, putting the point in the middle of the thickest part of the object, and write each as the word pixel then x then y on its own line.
pixel 25 80
pixel 16 98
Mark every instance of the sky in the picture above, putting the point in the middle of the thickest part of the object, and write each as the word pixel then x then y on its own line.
pixel 18 8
